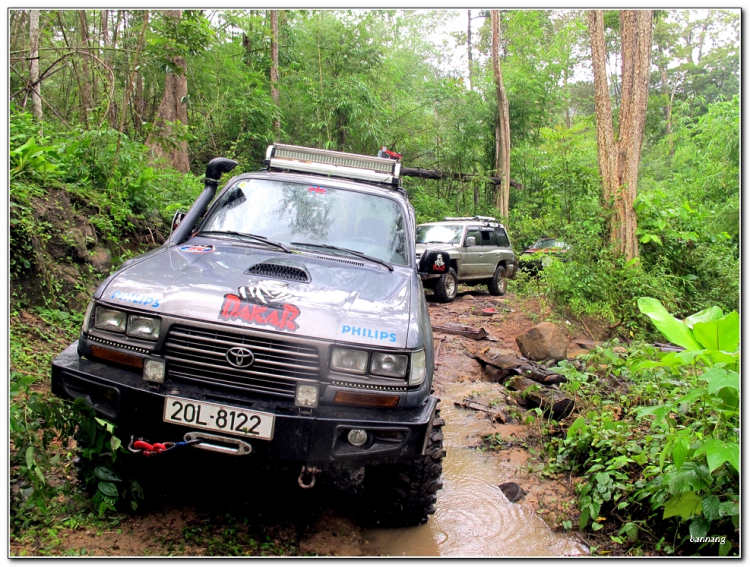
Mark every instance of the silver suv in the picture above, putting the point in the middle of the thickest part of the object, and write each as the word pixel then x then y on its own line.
pixel 475 250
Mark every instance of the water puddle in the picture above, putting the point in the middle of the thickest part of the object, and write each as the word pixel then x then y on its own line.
pixel 473 517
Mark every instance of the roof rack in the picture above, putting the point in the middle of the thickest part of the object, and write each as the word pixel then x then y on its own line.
pixel 328 162
pixel 470 218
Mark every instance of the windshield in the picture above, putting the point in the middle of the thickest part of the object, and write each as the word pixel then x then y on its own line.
pixel 547 243
pixel 439 233
pixel 294 212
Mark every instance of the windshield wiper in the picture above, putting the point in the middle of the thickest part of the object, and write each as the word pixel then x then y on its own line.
pixel 346 250
pixel 248 235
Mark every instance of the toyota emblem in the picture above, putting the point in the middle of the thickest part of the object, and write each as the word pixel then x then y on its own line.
pixel 240 357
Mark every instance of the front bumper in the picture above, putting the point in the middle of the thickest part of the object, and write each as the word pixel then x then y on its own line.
pixel 312 436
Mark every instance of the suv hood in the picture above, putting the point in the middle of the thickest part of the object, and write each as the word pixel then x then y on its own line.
pixel 433 246
pixel 345 299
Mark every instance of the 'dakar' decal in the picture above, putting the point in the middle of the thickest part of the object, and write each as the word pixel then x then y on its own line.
pixel 279 316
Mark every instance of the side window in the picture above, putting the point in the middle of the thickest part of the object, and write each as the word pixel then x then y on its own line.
pixel 474 231
pixel 502 238
pixel 488 237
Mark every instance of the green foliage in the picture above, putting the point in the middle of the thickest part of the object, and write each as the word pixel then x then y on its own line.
pixel 661 452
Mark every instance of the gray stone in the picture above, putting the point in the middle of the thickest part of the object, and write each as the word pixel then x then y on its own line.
pixel 78 243
pixel 543 342
pixel 100 259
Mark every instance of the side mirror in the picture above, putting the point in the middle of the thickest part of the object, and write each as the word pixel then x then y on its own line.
pixel 177 219
pixel 471 241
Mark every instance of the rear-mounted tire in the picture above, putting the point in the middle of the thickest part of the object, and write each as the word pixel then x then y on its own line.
pixel 405 494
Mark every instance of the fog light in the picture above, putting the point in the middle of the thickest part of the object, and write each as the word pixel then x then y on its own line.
pixel 153 370
pixel 357 437
pixel 306 396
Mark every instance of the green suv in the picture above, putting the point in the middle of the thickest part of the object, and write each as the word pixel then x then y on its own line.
pixel 474 250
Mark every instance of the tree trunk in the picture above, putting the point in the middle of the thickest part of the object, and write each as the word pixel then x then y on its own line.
pixel 618 162
pixel 502 133
pixel 275 69
pixel 471 71
pixel 173 108
pixel 85 73
pixel 36 98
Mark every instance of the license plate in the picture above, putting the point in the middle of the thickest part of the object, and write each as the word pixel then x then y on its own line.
pixel 215 417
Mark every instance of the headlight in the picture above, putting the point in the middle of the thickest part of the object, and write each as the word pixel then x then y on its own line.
pixel 418 368
pixel 87 317
pixel 140 327
pixel 349 360
pixel 110 320
pixel 387 364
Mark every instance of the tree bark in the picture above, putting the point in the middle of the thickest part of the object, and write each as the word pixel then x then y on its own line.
pixel 275 69
pixel 36 98
pixel 502 133
pixel 471 71
pixel 86 75
pixel 619 161
pixel 173 108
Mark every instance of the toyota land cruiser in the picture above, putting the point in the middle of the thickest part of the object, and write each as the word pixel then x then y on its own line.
pixel 282 322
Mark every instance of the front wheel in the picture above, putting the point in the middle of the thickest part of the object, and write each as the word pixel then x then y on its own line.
pixel 498 284
pixel 403 495
pixel 446 287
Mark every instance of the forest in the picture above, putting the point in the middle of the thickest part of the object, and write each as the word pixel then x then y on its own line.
pixel 615 131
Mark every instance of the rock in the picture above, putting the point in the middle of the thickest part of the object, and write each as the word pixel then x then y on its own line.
pixel 512 491
pixel 575 351
pixel 543 342
pixel 496 300
pixel 100 259
pixel 468 297
pixel 78 243
pixel 79 301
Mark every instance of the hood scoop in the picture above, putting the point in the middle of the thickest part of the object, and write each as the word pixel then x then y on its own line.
pixel 280 269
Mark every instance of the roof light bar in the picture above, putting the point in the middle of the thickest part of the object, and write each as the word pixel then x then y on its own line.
pixel 327 162
pixel 489 219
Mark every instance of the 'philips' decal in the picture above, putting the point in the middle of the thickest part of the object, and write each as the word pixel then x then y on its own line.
pixel 368 333
pixel 135 298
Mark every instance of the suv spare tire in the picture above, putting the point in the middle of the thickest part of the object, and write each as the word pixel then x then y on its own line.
pixel 498 284
pixel 446 287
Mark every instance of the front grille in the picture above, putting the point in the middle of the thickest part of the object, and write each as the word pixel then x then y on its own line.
pixel 198 355
pixel 279 271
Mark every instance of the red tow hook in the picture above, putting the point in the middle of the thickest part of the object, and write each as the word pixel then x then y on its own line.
pixel 150 450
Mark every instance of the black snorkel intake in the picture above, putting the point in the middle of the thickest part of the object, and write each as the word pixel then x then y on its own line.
pixel 216 167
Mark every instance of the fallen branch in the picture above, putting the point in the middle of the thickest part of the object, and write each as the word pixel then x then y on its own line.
pixel 545 398
pixel 499 368
pixel 476 333
pixel 496 414
pixel 437 174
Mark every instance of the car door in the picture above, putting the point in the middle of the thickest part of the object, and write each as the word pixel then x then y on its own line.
pixel 473 254
pixel 489 253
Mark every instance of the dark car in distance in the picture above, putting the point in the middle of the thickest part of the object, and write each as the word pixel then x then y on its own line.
pixel 541 254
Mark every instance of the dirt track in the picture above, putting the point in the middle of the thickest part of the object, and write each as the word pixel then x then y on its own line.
pixel 268 513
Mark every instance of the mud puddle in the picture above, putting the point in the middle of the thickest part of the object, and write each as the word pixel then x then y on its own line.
pixel 473 517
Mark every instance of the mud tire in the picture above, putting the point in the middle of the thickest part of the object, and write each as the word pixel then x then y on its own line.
pixel 404 494
pixel 446 287
pixel 498 284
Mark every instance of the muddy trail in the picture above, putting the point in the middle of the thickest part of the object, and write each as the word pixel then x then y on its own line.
pixel 264 513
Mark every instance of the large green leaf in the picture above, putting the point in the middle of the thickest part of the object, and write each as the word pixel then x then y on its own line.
pixel 710 314
pixel 105 473
pixel 673 329
pixel 719 378
pixel 108 489
pixel 719 452
pixel 722 334
pixel 684 505
pixel 575 426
